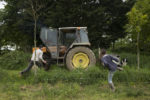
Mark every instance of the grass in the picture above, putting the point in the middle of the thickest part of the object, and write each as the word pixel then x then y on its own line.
pixel 73 91
pixel 60 84
pixel 82 77
pixel 15 60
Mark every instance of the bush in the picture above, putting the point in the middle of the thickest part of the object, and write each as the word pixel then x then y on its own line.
pixel 14 60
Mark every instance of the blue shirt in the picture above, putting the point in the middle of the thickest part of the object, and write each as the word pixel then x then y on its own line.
pixel 107 60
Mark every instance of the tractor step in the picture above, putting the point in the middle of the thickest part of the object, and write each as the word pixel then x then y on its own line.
pixel 61 64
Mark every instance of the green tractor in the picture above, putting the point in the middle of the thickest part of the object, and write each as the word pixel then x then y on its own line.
pixel 68 46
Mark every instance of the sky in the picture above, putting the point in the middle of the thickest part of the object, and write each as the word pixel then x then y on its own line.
pixel 2 4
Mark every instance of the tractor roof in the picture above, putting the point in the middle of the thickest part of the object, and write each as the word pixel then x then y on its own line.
pixel 66 28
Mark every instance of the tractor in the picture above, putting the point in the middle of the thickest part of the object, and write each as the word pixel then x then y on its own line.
pixel 68 46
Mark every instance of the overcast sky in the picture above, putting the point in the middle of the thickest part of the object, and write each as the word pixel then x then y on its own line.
pixel 2 5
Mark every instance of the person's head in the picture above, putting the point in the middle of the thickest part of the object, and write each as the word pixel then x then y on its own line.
pixel 40 46
pixel 102 53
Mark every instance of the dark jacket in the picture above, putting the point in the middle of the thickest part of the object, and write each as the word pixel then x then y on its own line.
pixel 107 60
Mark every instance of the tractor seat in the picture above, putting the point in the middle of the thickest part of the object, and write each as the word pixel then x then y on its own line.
pixel 62 49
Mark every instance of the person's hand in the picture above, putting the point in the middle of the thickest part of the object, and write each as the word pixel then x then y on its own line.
pixel 120 69
pixel 44 62
pixel 103 64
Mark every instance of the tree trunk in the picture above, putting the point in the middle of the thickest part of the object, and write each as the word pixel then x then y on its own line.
pixel 138 50
pixel 35 22
pixel 113 45
pixel 0 49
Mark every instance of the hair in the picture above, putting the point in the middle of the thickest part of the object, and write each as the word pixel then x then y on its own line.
pixel 40 46
pixel 102 53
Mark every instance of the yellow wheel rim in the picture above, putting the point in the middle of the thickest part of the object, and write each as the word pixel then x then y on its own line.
pixel 80 60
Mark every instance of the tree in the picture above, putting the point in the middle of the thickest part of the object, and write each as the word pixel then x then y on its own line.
pixel 19 22
pixel 104 23
pixel 34 10
pixel 14 24
pixel 136 21
pixel 99 17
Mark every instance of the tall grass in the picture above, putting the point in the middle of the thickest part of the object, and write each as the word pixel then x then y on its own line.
pixel 3 75
pixel 95 74
pixel 60 84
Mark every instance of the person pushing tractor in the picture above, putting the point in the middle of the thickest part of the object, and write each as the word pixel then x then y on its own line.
pixel 37 57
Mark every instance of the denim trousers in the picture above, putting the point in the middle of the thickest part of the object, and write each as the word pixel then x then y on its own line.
pixel 30 66
pixel 110 76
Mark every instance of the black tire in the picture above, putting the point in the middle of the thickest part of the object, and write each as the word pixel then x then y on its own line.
pixel 75 50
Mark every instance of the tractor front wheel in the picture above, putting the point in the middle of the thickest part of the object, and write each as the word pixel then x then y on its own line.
pixel 80 57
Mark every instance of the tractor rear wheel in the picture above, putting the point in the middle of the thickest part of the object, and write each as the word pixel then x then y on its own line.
pixel 80 57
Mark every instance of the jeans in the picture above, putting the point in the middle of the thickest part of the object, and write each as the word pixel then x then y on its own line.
pixel 30 66
pixel 110 76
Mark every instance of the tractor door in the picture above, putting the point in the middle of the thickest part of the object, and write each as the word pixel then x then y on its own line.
pixel 49 38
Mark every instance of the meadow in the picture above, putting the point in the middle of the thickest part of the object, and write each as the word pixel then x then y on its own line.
pixel 60 84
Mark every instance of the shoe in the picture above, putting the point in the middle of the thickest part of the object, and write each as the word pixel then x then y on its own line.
pixel 112 87
pixel 21 74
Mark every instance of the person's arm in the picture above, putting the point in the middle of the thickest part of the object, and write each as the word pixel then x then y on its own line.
pixel 104 63
pixel 114 58
pixel 41 57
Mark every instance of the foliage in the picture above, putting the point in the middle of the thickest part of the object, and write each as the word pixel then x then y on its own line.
pixel 98 16
pixel 131 57
pixel 139 23
pixel 14 60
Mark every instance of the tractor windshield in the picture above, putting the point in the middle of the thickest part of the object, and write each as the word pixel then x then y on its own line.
pixel 67 37
pixel 84 36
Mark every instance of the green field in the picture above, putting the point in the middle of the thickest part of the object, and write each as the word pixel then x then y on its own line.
pixel 60 84
pixel 73 91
